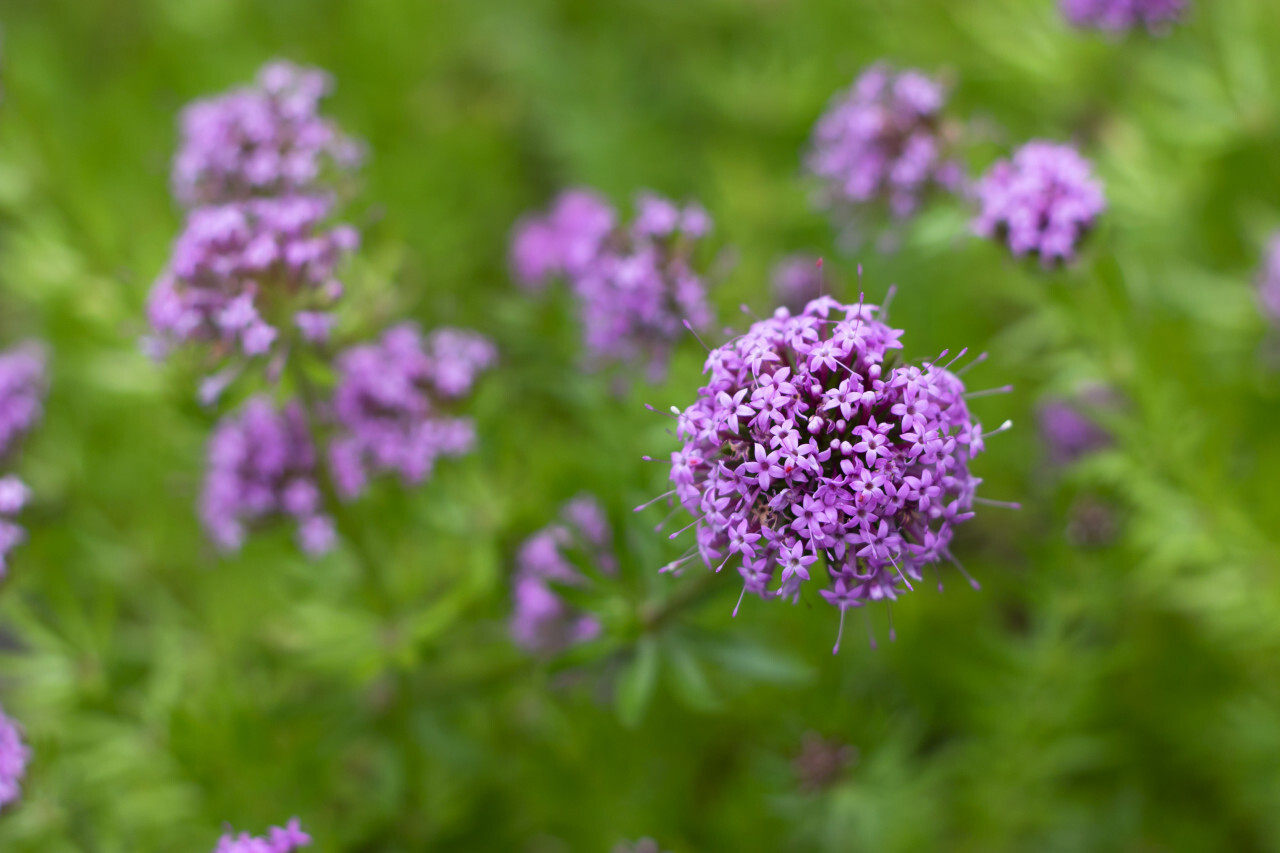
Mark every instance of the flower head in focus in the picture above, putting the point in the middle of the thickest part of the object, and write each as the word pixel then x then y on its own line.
pixel 14 756
pixel 267 139
pixel 284 839
pixel 392 404
pixel 1156 16
pixel 1043 202
pixel 635 286
pixel 813 446
pixel 262 466
pixel 881 142
pixel 541 621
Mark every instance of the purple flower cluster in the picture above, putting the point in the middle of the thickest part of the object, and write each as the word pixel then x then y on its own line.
pixel 796 281
pixel 262 465
pixel 265 139
pixel 1043 202
pixel 1068 430
pixel 390 400
pixel 23 383
pixel 541 621
pixel 239 271
pixel 882 141
pixel 812 441
pixel 22 389
pixel 635 286
pixel 14 755
pixel 284 839
pixel 1120 15
pixel 1269 281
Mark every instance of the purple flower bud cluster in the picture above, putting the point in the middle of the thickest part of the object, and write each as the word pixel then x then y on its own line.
pixel 1121 15
pixel 262 465
pixel 1044 202
pixel 812 441
pixel 635 287
pixel 284 839
pixel 239 271
pixel 1269 282
pixel 882 142
pixel 541 621
pixel 1068 430
pixel 796 281
pixel 14 755
pixel 23 383
pixel 390 403
pixel 265 139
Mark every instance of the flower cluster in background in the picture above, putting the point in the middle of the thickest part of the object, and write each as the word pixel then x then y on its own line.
pixel 797 280
pixel 253 273
pixel 14 755
pixel 1269 282
pixel 635 286
pixel 882 142
pixel 23 383
pixel 240 271
pixel 1043 202
pixel 1068 427
pixel 811 442
pixel 1121 15
pixel 265 139
pixel 541 621
pixel 284 839
pixel 262 465
pixel 389 404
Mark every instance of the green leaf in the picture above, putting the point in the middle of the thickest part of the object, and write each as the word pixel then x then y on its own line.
pixel 689 680
pixel 636 684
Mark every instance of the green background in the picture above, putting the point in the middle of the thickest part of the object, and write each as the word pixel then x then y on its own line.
pixel 1115 697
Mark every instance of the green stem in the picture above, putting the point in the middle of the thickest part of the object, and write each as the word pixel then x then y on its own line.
pixel 353 533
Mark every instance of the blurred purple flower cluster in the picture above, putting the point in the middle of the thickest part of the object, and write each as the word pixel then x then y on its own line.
pixel 797 280
pixel 264 139
pixel 254 273
pixel 262 465
pixel 284 839
pixel 882 142
pixel 812 441
pixel 389 404
pixel 635 287
pixel 1069 428
pixel 1120 15
pixel 1269 281
pixel 23 384
pixel 239 270
pixel 1043 202
pixel 14 755
pixel 541 621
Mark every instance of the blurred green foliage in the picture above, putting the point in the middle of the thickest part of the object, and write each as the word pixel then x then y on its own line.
pixel 1124 696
